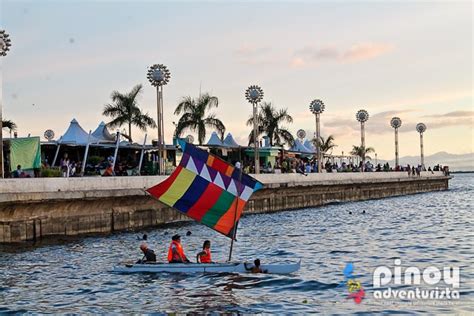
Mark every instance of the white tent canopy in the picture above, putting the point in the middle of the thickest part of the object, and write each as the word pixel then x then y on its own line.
pixel 299 147
pixel 230 142
pixel 75 135
pixel 102 134
pixel 309 144
pixel 214 140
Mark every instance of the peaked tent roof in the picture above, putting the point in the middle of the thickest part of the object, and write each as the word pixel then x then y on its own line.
pixel 102 134
pixel 299 147
pixel 308 144
pixel 229 141
pixel 214 140
pixel 75 135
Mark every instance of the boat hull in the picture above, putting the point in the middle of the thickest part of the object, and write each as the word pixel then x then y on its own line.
pixel 238 267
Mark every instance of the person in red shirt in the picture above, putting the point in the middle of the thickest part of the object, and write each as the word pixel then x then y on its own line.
pixel 175 251
pixel 205 255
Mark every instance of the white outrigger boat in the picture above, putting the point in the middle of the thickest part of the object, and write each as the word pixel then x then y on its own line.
pixel 213 193
pixel 236 267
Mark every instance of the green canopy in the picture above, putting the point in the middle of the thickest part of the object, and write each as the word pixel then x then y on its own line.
pixel 25 152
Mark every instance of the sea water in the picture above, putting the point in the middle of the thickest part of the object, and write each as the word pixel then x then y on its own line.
pixel 340 245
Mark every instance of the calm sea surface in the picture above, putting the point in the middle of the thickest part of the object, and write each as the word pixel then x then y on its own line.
pixel 431 229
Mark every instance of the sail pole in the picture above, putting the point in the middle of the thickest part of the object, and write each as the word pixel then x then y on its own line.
pixel 234 232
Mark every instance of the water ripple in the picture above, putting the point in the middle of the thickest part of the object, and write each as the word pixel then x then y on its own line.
pixel 70 275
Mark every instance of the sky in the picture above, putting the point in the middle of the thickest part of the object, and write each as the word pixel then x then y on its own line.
pixel 411 59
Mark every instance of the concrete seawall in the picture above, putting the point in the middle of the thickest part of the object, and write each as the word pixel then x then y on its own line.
pixel 33 208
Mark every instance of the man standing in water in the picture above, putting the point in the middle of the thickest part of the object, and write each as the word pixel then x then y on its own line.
pixel 175 252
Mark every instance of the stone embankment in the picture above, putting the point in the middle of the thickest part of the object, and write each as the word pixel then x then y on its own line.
pixel 34 208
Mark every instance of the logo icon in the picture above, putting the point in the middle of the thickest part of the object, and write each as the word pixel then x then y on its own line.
pixel 356 291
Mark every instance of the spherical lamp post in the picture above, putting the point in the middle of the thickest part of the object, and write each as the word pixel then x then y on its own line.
pixel 159 75
pixel 396 122
pixel 254 94
pixel 421 128
pixel 5 44
pixel 362 116
pixel 317 107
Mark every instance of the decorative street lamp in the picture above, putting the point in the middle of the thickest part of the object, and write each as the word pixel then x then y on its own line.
pixel 159 75
pixel 317 107
pixel 421 128
pixel 254 94
pixel 5 44
pixel 301 134
pixel 396 122
pixel 362 116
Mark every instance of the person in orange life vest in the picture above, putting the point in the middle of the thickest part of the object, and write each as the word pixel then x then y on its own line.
pixel 205 255
pixel 175 252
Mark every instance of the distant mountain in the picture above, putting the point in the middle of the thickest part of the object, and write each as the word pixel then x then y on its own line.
pixel 455 162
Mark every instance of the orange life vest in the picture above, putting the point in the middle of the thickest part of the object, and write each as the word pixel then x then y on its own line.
pixel 206 258
pixel 179 250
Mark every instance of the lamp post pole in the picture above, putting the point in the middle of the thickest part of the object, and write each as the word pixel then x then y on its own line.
pixel 254 94
pixel 396 122
pixel 256 142
pixel 159 75
pixel 318 147
pixel 421 128
pixel 5 44
pixel 317 107
pixel 362 116
pixel 422 156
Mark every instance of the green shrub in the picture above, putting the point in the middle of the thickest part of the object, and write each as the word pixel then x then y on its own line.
pixel 50 172
pixel 94 160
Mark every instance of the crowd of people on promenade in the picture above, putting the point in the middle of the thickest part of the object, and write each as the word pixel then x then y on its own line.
pixel 105 167
pixel 310 165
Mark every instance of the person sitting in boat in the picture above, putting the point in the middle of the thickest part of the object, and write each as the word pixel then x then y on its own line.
pixel 148 254
pixel 205 255
pixel 256 267
pixel 175 252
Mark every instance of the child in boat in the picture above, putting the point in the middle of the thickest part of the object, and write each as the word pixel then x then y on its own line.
pixel 205 255
pixel 256 267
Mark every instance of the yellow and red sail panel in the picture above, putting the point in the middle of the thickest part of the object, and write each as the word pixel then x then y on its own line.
pixel 207 189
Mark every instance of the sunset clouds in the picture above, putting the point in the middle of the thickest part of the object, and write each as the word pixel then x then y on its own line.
pixel 397 59
pixel 313 55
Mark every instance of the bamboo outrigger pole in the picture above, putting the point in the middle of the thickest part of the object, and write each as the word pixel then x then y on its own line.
pixel 234 230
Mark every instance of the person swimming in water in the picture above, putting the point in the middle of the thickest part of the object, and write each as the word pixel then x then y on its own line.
pixel 256 267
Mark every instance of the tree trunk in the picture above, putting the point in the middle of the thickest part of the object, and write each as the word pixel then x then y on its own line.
pixel 130 131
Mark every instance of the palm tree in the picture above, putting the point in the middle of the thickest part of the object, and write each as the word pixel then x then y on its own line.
pixel 10 125
pixel 362 152
pixel 269 120
pixel 325 144
pixel 125 110
pixel 194 116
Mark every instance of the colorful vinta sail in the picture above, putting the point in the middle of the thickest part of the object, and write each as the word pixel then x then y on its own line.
pixel 207 189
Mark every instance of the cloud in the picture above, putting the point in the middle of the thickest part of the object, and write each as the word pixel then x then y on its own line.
pixel 364 51
pixel 246 50
pixel 254 55
pixel 453 114
pixel 357 52
pixel 455 118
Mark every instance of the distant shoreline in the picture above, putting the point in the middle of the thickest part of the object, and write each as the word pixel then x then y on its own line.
pixel 472 171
